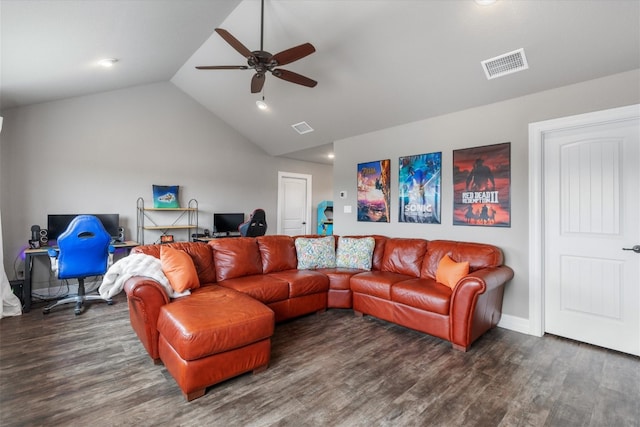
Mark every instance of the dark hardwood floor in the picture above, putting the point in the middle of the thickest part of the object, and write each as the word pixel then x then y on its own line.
pixel 332 369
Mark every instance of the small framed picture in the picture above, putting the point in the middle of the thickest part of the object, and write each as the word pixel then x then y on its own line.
pixel 166 196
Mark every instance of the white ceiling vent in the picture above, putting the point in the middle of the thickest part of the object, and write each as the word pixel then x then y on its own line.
pixel 302 128
pixel 502 65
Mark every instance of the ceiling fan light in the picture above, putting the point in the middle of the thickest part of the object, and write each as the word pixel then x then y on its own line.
pixel 261 104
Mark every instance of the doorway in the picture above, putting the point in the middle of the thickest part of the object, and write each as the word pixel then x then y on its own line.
pixel 585 204
pixel 294 203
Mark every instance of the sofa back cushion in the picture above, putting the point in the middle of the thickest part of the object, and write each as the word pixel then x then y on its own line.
pixel 200 253
pixel 278 253
pixel 479 255
pixel 236 257
pixel 404 256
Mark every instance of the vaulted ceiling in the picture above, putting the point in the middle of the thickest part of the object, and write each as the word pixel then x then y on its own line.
pixel 378 63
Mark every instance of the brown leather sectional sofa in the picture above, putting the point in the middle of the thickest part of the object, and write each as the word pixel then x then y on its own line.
pixel 400 288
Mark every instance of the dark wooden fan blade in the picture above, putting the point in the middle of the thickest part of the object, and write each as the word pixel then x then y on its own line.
pixel 293 54
pixel 235 43
pixel 222 67
pixel 257 82
pixel 292 77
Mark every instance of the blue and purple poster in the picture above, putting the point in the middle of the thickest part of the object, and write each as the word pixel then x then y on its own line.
pixel 419 188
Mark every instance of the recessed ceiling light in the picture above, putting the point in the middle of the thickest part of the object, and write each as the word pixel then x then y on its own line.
pixel 331 155
pixel 485 2
pixel 107 62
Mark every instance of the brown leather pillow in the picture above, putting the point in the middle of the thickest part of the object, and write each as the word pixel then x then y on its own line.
pixel 178 266
pixel 450 272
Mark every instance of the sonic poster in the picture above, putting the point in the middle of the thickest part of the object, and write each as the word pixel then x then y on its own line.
pixel 374 186
pixel 482 186
pixel 419 188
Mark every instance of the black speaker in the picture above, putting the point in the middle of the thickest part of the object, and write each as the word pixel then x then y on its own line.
pixel 121 238
pixel 44 237
pixel 34 242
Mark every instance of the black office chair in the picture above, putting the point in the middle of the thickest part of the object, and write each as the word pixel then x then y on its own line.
pixel 84 250
pixel 255 226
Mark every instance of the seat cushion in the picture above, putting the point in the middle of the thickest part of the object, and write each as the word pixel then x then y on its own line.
pixel 376 283
pixel 303 282
pixel 423 294
pixel 339 278
pixel 213 320
pixel 263 287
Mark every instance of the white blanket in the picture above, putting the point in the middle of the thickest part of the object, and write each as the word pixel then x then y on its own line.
pixel 135 265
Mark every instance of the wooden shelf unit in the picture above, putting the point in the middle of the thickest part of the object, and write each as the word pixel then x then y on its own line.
pixel 153 215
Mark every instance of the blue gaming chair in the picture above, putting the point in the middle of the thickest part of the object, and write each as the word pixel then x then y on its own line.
pixel 84 250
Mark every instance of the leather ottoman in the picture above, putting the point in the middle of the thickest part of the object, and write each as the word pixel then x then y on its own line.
pixel 212 335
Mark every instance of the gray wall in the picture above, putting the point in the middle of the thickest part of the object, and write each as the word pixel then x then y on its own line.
pixel 490 124
pixel 99 153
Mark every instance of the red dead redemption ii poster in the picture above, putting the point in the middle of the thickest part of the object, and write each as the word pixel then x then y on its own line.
pixel 482 186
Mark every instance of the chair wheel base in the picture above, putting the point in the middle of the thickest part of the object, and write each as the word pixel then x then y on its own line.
pixel 109 302
pixel 46 311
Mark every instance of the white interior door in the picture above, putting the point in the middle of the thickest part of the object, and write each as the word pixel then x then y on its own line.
pixel 591 212
pixel 294 203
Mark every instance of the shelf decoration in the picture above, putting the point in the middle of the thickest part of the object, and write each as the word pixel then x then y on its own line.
pixel 166 196
pixel 482 186
pixel 419 188
pixel 374 188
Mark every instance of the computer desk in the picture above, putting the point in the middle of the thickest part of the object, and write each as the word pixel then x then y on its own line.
pixel 44 251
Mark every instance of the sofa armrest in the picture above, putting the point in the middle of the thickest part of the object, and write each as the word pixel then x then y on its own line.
pixel 146 297
pixel 476 304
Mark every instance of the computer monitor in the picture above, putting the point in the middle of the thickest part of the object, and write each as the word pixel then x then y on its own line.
pixel 57 224
pixel 226 223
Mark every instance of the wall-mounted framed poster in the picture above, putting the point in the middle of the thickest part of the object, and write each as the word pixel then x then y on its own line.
pixel 374 188
pixel 482 186
pixel 419 188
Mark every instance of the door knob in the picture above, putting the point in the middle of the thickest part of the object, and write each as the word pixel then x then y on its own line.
pixel 635 249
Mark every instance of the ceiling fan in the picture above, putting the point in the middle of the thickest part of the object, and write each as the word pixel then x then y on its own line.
pixel 262 61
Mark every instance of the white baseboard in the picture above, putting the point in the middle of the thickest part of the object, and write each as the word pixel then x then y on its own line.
pixel 514 323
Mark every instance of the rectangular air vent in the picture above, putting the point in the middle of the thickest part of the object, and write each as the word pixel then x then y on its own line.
pixel 502 65
pixel 302 128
